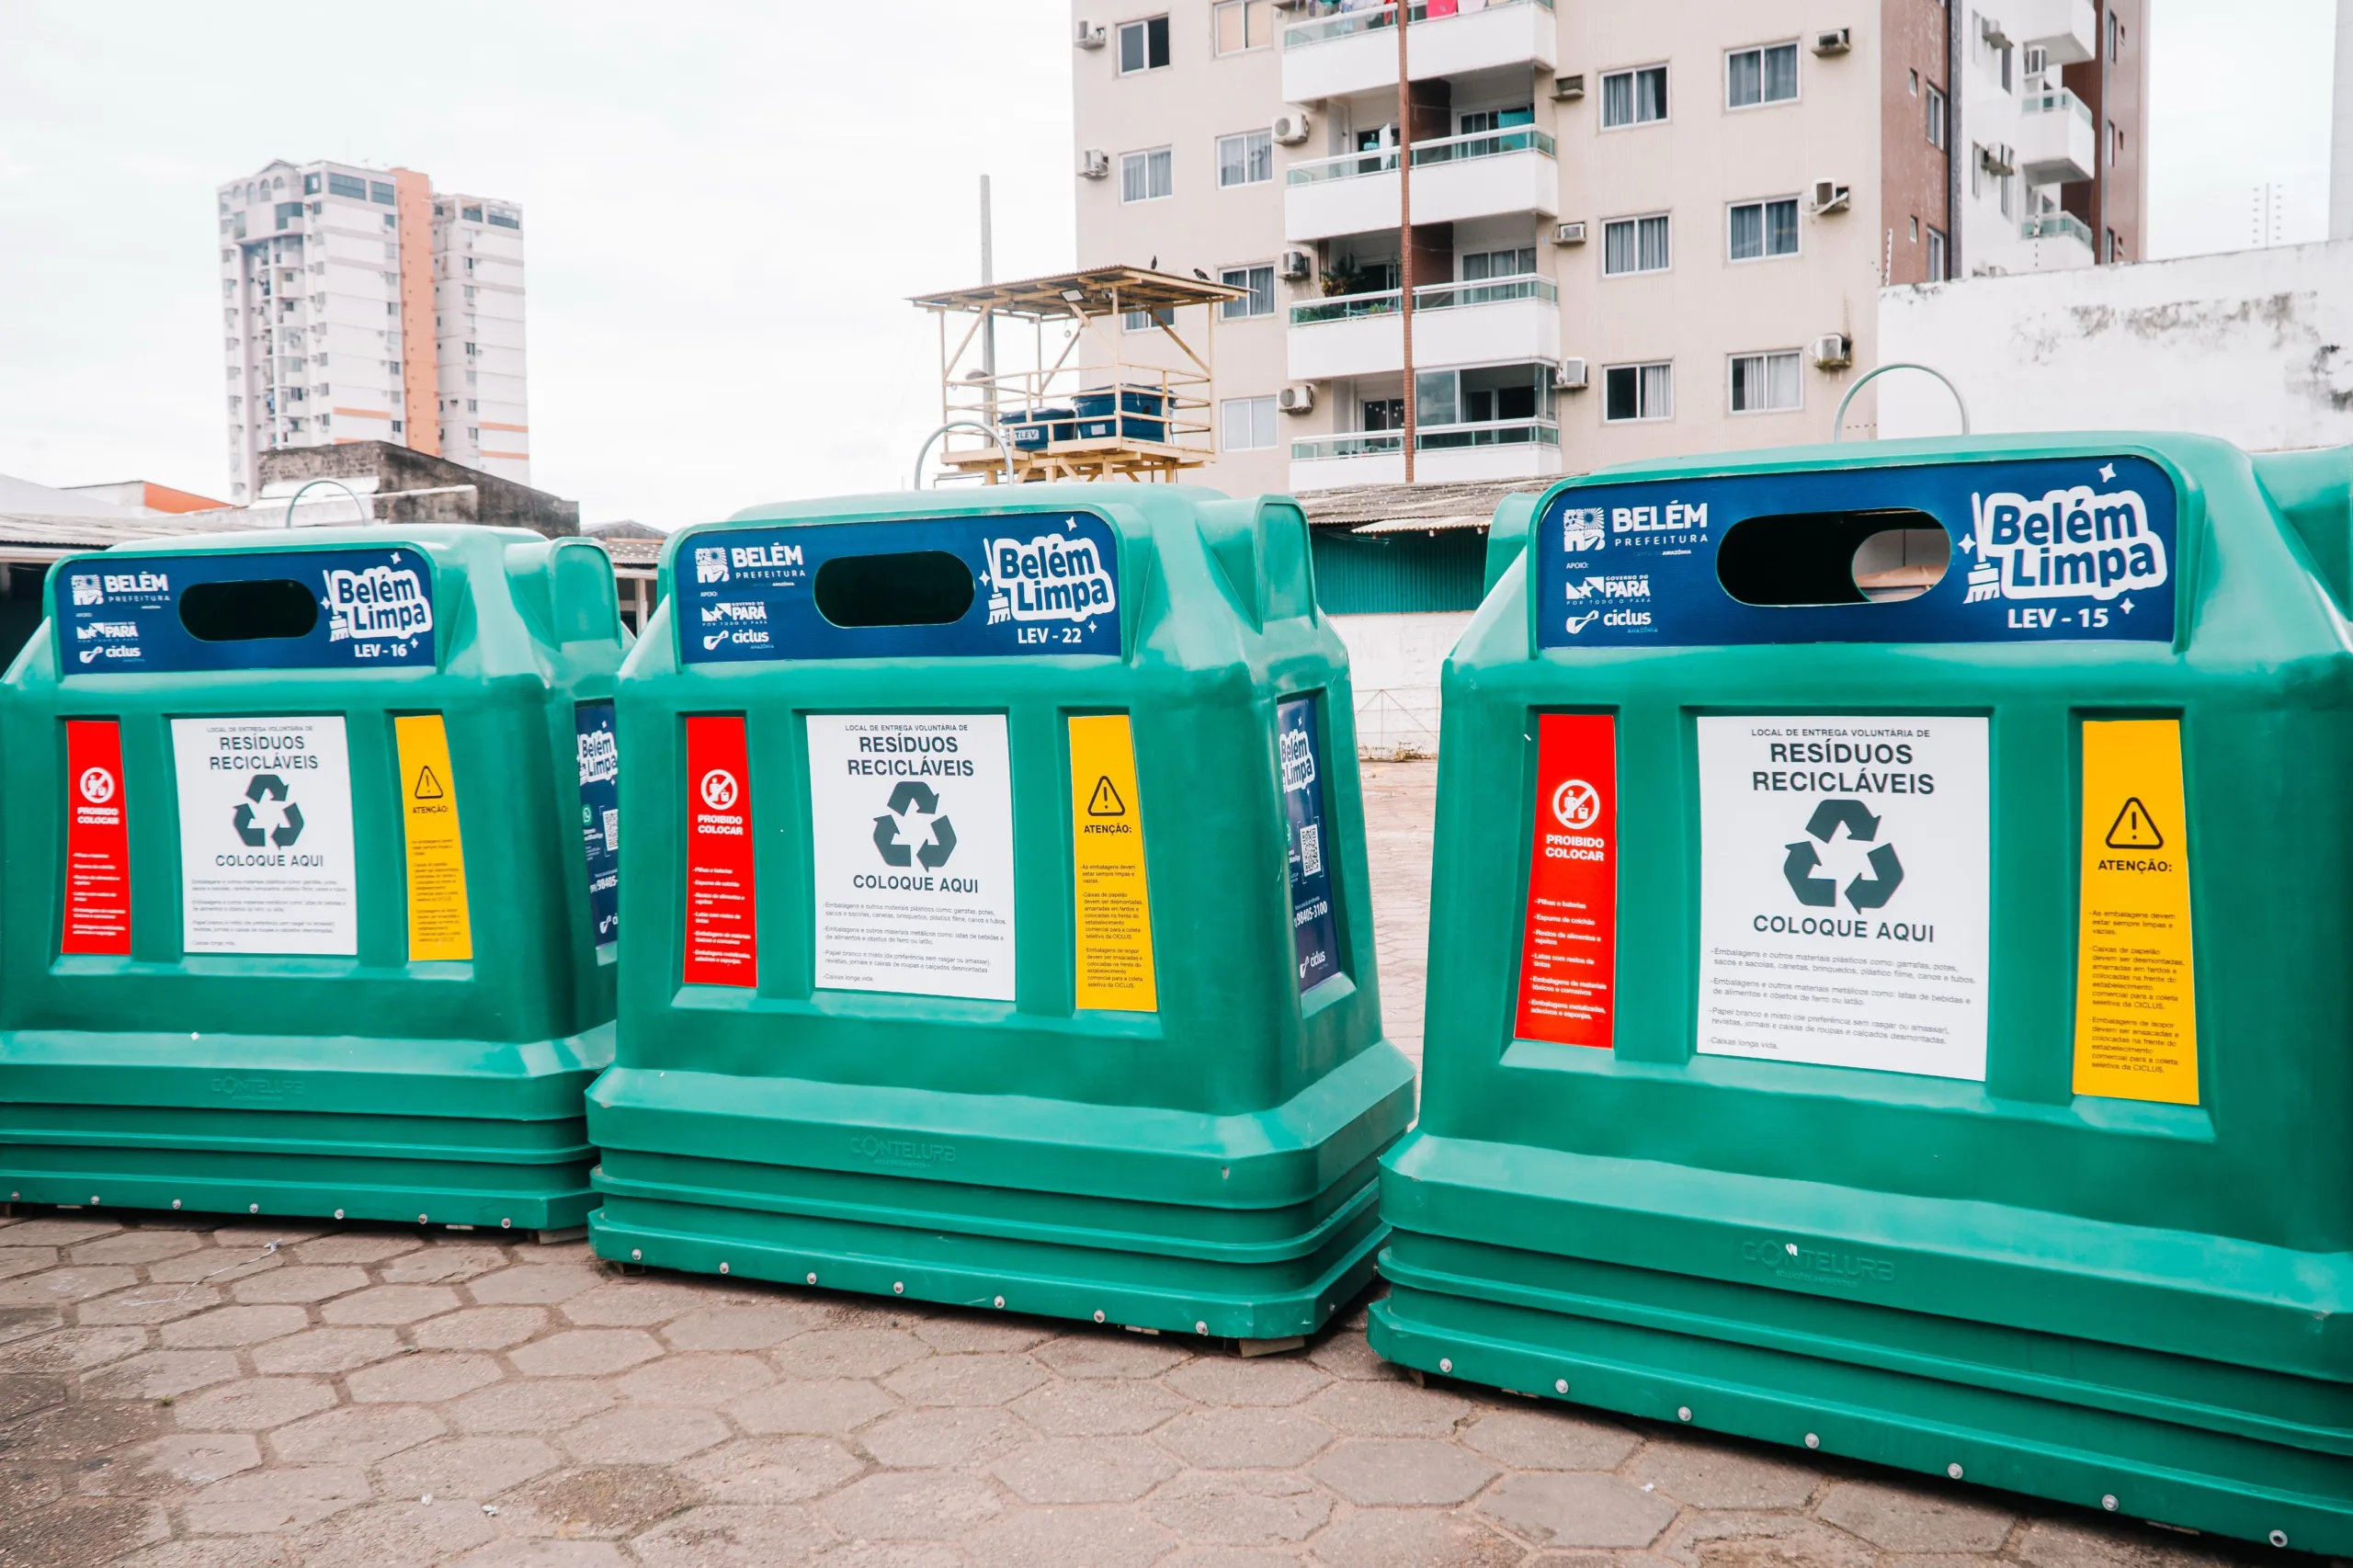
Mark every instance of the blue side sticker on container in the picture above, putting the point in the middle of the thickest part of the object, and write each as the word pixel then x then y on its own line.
pixel 2042 550
pixel 1040 583
pixel 1314 927
pixel 600 816
pixel 247 610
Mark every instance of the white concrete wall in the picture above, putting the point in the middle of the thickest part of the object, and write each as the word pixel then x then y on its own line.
pixel 2256 346
pixel 1394 664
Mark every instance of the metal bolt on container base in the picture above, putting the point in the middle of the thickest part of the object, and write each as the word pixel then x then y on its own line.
pixel 1813 1441
pixel 1683 1413
pixel 1099 1315
pixel 2278 1538
pixel 722 1268
pixel 637 1255
pixel 1000 1301
pixel 1446 1363
pixel 1953 1471
pixel 1560 1386
pixel 898 1287
pixel 812 1279
pixel 2108 1501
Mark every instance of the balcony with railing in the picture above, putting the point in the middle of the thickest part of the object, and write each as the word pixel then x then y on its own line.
pixel 1340 52
pixel 2056 141
pixel 1454 324
pixel 2057 242
pixel 1484 173
pixel 1444 454
pixel 2067 31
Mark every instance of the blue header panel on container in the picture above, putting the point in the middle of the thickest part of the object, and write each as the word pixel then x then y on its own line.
pixel 1043 582
pixel 1315 930
pixel 2042 550
pixel 132 614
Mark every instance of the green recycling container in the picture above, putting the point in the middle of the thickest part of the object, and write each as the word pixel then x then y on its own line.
pixel 999 921
pixel 311 899
pixel 1887 987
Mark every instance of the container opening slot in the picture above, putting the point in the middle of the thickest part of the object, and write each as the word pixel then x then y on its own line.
pixel 1879 556
pixel 921 587
pixel 248 611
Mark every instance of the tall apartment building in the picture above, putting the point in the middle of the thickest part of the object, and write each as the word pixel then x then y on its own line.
pixel 1637 229
pixel 359 305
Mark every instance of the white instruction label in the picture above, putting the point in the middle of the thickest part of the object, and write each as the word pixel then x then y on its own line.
pixel 265 846
pixel 1844 891
pixel 910 819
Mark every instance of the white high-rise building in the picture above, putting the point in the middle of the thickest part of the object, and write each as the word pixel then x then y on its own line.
pixel 1636 230
pixel 357 305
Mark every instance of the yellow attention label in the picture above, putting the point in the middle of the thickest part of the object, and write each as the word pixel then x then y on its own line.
pixel 2136 1021
pixel 437 924
pixel 1106 855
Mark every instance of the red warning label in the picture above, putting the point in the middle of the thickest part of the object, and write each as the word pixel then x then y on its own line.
pixel 97 841
pixel 1568 957
pixel 722 924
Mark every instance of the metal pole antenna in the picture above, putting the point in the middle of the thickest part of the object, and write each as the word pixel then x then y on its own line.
pixel 988 318
pixel 1405 232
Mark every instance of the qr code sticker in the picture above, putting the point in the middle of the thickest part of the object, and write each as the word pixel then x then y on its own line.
pixel 1311 851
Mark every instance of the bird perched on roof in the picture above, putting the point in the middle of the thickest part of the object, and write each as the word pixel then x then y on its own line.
pixel 1153 266
pixel 1200 274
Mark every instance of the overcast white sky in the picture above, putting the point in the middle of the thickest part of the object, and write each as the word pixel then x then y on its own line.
pixel 726 207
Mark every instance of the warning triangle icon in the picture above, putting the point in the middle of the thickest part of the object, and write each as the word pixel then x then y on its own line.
pixel 2134 829
pixel 1105 802
pixel 428 788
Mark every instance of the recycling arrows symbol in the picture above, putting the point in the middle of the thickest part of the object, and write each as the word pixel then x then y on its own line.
pixel 269 787
pixel 1822 892
pixel 916 794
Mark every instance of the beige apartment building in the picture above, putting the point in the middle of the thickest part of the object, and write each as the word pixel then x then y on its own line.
pixel 1637 229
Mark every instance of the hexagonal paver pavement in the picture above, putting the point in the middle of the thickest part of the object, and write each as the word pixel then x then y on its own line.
pixel 177 1392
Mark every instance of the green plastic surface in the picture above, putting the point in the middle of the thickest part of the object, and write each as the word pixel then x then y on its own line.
pixel 1206 1167
pixel 368 1087
pixel 2120 1304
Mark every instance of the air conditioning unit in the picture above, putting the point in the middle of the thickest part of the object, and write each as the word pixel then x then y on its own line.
pixel 1569 375
pixel 1831 351
pixel 1088 35
pixel 1570 233
pixel 1094 164
pixel 1998 159
pixel 1297 398
pixel 1991 31
pixel 1829 195
pixel 1568 89
pixel 1290 127
pixel 1296 265
pixel 1834 41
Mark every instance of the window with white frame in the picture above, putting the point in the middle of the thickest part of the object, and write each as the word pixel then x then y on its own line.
pixel 1480 265
pixel 1634 245
pixel 1145 320
pixel 1756 229
pixel 1764 75
pixel 1246 424
pixel 1258 301
pixel 1938 267
pixel 1144 45
pixel 1147 175
pixel 1633 97
pixel 1638 391
pixel 1937 118
pixel 1238 25
pixel 1766 383
pixel 1247 159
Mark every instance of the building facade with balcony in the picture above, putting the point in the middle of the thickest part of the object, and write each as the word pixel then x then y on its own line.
pixel 357 305
pixel 1637 230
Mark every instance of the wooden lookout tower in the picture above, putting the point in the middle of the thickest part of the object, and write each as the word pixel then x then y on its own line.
pixel 1094 409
